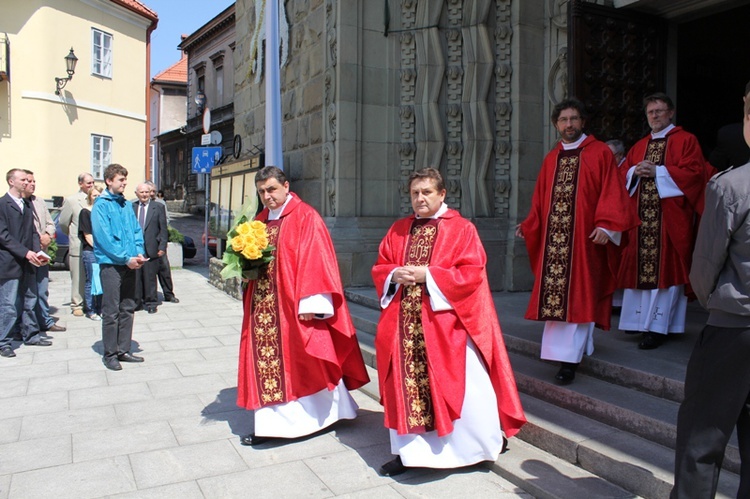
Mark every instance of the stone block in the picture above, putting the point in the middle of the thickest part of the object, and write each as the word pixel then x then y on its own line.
pixel 303 131
pixel 375 127
pixel 187 385
pixel 181 464
pixel 107 395
pixel 43 403
pixel 184 490
pixel 312 96
pixel 37 426
pixel 122 440
pixel 312 167
pixel 35 454
pixel 158 410
pixel 315 131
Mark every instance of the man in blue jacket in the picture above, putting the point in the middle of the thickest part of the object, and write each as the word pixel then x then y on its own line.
pixel 119 252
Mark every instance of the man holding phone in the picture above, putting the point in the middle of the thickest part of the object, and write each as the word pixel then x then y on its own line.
pixel 119 253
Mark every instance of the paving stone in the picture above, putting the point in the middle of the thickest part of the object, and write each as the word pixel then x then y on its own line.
pixel 193 368
pixel 122 440
pixel 14 388
pixel 224 352
pixel 218 426
pixel 186 386
pixel 67 422
pixel 169 357
pixel 474 481
pixel 158 410
pixel 381 492
pixel 287 450
pixel 67 382
pixel 139 373
pixel 91 479
pixel 4 486
pixel 11 430
pixel 295 479
pixel 216 331
pixel 184 490
pixel 107 395
pixel 33 454
pixel 189 343
pixel 63 355
pixel 231 339
pixel 359 475
pixel 190 462
pixel 43 403
pixel 22 368
pixel 93 364
pixel 224 320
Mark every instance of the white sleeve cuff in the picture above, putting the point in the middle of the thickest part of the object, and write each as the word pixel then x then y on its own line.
pixel 438 301
pixel 386 298
pixel 321 305
pixel 629 178
pixel 614 236
pixel 665 184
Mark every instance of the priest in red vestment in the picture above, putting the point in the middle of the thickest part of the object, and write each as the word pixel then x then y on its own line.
pixel 578 213
pixel 446 384
pixel 666 175
pixel 299 354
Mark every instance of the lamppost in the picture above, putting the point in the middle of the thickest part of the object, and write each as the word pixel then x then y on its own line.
pixel 70 65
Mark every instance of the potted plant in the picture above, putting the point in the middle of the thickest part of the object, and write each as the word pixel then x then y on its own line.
pixel 174 247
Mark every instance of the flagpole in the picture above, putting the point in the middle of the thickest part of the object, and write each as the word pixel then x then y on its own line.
pixel 273 87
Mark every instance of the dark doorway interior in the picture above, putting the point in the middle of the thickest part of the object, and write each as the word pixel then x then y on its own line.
pixel 713 70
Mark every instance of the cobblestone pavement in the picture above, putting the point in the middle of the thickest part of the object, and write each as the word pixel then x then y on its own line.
pixel 169 427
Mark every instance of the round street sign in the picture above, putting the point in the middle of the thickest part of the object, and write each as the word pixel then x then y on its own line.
pixel 206 120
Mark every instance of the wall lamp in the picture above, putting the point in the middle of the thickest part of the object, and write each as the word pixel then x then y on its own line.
pixel 70 65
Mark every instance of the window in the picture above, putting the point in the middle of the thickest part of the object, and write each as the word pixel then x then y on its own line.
pixel 219 72
pixel 101 58
pixel 101 155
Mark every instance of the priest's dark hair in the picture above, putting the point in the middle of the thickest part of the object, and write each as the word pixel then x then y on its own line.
pixel 571 103
pixel 270 172
pixel 658 96
pixel 430 173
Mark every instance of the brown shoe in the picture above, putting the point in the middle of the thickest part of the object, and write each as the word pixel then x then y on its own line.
pixel 78 312
pixel 54 328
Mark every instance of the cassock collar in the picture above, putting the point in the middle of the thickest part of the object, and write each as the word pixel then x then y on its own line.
pixel 574 145
pixel 441 211
pixel 663 133
pixel 276 214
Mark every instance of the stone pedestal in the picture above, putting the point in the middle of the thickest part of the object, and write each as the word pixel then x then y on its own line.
pixel 174 254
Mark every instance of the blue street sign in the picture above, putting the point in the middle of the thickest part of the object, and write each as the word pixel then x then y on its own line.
pixel 205 158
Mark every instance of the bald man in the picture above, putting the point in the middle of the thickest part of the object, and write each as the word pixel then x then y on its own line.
pixel 152 217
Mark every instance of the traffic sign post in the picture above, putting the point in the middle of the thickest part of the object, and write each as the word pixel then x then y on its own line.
pixel 205 158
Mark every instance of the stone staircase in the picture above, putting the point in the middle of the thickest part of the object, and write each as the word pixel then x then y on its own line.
pixel 609 434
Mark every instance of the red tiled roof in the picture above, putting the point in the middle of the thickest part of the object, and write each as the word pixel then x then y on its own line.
pixel 138 8
pixel 177 72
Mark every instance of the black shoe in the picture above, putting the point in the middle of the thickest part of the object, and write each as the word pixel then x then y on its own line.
pixel 151 310
pixel 393 467
pixel 54 328
pixel 567 373
pixel 129 357
pixel 252 440
pixel 651 341
pixel 112 363
pixel 38 343
pixel 173 299
pixel 7 351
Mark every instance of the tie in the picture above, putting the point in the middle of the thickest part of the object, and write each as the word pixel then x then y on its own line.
pixel 142 215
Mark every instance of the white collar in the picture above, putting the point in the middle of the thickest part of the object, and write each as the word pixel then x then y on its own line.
pixel 663 133
pixel 276 214
pixel 441 211
pixel 574 145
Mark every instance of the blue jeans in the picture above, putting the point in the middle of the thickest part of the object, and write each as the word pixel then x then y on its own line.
pixel 18 300
pixel 42 305
pixel 92 303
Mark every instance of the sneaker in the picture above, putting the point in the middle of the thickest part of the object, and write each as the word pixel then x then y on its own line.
pixel 78 313
pixel 93 317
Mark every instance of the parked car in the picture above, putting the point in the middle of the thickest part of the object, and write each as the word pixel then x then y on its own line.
pixel 63 243
pixel 188 248
pixel 212 242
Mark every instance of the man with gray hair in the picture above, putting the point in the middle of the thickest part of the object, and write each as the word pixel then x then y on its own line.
pixel 69 224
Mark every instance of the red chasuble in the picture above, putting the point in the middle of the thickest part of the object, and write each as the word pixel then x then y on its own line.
pixel 281 357
pixel 457 264
pixel 576 192
pixel 659 252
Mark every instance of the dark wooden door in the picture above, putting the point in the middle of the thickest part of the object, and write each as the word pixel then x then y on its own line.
pixel 615 58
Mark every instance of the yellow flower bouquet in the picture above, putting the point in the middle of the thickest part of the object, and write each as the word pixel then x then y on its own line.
pixel 247 250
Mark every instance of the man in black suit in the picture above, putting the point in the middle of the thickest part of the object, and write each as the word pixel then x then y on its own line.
pixel 153 221
pixel 731 148
pixel 19 244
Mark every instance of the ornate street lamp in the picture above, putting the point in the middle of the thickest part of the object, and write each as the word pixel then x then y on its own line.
pixel 70 66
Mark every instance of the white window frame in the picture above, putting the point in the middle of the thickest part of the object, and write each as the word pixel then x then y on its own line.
pixel 101 53
pixel 101 155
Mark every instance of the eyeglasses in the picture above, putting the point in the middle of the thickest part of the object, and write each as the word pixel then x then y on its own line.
pixel 656 112
pixel 572 119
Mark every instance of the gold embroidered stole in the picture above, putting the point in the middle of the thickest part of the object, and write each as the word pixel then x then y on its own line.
pixel 266 330
pixel 412 352
pixel 649 211
pixel 558 244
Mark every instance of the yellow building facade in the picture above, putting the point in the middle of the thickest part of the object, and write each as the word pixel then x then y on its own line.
pixel 100 116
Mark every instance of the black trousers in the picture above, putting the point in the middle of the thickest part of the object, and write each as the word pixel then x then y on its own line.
pixel 717 397
pixel 118 306
pixel 165 277
pixel 146 295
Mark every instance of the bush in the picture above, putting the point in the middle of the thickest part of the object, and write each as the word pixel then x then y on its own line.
pixel 175 236
pixel 52 250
